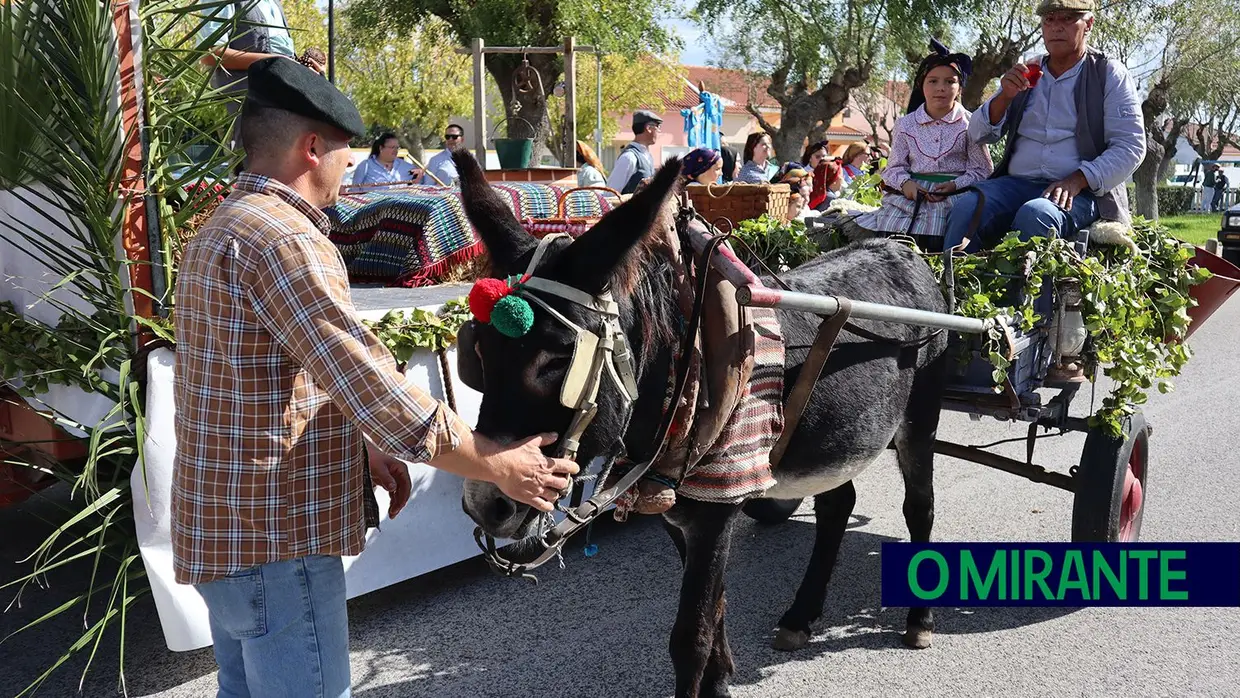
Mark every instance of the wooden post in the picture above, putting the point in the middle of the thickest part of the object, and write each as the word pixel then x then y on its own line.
pixel 570 103
pixel 480 96
pixel 331 41
pixel 598 113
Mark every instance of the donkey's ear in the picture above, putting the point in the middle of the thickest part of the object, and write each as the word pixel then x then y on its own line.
pixel 592 260
pixel 506 241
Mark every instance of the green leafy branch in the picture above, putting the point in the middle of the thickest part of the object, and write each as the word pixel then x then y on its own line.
pixel 405 332
pixel 865 188
pixel 779 245
pixel 1135 306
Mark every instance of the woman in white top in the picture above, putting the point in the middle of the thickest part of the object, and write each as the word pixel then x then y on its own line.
pixel 383 167
pixel 590 173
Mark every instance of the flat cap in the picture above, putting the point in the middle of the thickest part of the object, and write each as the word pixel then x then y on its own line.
pixel 283 83
pixel 1048 6
pixel 643 117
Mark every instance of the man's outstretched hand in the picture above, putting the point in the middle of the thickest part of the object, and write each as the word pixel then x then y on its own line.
pixel 1062 193
pixel 528 476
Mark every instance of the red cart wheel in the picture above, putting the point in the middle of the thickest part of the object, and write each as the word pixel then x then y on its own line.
pixel 1111 483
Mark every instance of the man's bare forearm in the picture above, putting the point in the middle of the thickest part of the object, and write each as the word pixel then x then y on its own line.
pixel 232 59
pixel 468 460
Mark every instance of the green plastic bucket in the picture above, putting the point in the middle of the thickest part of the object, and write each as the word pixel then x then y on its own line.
pixel 513 153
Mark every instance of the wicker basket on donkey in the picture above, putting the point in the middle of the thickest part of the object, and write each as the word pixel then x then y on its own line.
pixel 739 201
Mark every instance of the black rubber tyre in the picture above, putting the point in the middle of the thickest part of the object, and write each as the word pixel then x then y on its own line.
pixel 771 511
pixel 1109 504
pixel 1231 254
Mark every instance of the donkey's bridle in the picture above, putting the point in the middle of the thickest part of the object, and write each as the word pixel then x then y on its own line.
pixel 610 355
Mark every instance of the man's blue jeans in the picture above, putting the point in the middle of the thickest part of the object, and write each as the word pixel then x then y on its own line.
pixel 281 629
pixel 1015 203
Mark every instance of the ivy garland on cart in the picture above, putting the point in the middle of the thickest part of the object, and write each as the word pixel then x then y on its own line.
pixel 1135 306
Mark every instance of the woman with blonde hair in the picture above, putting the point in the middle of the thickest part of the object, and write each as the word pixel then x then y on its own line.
pixel 854 160
pixel 590 173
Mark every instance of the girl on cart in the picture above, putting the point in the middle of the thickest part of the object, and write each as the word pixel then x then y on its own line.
pixel 931 154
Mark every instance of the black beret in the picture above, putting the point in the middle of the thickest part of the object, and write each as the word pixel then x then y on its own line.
pixel 283 83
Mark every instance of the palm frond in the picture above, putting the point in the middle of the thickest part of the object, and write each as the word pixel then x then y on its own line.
pixel 63 159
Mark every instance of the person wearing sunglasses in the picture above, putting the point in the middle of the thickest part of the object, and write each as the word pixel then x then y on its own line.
pixel 441 166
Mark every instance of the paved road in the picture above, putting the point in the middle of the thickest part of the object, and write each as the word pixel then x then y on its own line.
pixel 600 626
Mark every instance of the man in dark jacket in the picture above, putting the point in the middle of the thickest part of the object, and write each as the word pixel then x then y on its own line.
pixel 1220 184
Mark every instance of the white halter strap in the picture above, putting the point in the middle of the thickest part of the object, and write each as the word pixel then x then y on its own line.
pixel 609 351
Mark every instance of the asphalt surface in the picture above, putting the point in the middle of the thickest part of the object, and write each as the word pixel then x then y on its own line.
pixel 600 626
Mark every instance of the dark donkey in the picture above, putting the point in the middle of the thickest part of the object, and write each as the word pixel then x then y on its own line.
pixel 870 395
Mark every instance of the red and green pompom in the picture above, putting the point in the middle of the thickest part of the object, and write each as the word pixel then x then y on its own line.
pixel 484 295
pixel 492 302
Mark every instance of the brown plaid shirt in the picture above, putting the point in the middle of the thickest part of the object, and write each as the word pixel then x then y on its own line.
pixel 275 376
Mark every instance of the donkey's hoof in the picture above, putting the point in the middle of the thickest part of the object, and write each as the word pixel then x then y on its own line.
pixel 790 640
pixel 917 638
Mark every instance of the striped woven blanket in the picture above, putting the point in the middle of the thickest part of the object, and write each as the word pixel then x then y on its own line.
pixel 412 235
pixel 738 465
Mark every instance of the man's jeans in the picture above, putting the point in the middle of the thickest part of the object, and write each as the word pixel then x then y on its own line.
pixel 1015 203
pixel 281 629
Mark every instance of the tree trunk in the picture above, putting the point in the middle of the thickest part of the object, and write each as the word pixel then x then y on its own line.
pixel 1170 148
pixel 529 119
pixel 988 65
pixel 809 113
pixel 1146 177
pixel 817 134
pixel 1145 181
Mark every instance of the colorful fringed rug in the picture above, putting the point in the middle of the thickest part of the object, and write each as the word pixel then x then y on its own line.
pixel 413 235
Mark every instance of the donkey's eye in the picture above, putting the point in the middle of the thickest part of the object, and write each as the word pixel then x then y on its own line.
pixel 556 364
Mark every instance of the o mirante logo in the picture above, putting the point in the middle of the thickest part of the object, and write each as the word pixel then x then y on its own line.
pixel 1061 574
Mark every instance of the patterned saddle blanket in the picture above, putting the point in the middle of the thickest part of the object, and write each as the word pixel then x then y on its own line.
pixel 413 235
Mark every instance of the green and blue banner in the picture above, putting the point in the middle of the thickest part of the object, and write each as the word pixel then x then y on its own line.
pixel 1061 574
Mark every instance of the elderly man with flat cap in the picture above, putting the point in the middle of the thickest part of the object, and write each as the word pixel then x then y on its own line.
pixel 635 164
pixel 277 380
pixel 1074 136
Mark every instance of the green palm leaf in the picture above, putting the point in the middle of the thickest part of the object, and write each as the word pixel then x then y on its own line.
pixel 62 156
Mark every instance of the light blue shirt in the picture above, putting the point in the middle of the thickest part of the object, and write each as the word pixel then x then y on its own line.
pixel 751 173
pixel 589 176
pixel 441 166
pixel 371 171
pixel 1046 145
pixel 261 29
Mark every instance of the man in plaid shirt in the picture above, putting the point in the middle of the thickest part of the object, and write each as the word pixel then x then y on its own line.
pixel 277 379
